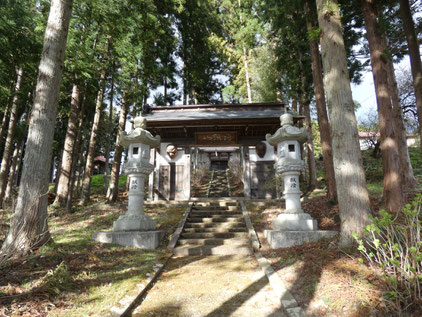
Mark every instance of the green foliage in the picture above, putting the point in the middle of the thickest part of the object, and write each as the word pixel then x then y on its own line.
pixel 314 33
pixel 57 280
pixel 317 139
pixel 265 74
pixel 395 245
pixel 330 8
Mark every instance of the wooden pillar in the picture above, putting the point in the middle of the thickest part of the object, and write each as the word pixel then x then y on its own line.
pixel 186 176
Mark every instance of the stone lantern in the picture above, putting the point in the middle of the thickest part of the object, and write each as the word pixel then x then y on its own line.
pixel 293 226
pixel 135 228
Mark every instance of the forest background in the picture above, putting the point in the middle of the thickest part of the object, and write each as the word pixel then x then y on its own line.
pixel 73 72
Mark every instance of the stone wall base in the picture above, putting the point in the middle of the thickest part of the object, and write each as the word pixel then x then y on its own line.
pixel 138 239
pixel 284 239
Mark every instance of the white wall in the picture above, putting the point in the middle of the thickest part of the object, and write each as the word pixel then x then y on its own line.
pixel 164 159
pixel 269 154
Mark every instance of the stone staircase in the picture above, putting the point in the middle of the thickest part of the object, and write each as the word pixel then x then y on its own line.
pixel 214 228
pixel 218 184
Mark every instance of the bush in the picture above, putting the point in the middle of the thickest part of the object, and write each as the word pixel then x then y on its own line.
pixel 198 176
pixel 56 281
pixel 395 245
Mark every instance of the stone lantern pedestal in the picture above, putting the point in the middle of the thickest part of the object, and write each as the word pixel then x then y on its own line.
pixel 135 228
pixel 293 226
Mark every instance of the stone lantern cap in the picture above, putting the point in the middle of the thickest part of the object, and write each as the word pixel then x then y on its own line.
pixel 287 132
pixel 140 135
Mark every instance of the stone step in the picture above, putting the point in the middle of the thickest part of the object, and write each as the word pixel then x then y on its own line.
pixel 214 219
pixel 223 235
pixel 222 208
pixel 199 230
pixel 231 241
pixel 200 213
pixel 222 203
pixel 211 250
pixel 216 225
pixel 216 216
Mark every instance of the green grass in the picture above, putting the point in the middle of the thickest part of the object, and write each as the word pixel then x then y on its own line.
pixel 97 183
pixel 91 277
pixel 374 173
pixel 375 189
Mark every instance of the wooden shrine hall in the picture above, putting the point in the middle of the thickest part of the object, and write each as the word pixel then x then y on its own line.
pixel 194 134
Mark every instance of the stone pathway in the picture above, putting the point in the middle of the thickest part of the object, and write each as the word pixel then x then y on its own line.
pixel 211 286
pixel 219 186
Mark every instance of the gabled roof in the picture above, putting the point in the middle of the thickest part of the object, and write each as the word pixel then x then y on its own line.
pixel 251 122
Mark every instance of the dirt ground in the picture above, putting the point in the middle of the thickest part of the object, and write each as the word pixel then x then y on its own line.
pixel 211 286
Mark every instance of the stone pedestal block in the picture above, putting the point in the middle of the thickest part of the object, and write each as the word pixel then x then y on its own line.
pixel 295 222
pixel 138 239
pixel 130 222
pixel 284 239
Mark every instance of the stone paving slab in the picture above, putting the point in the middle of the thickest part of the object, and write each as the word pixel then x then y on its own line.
pixel 199 286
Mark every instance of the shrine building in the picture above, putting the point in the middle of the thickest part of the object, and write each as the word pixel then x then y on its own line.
pixel 194 136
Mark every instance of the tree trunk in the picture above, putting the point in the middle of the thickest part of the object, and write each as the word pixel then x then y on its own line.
pixel 113 189
pixel 310 148
pixel 76 153
pixel 393 191
pixel 306 111
pixel 322 116
pixel 4 122
pixel 107 149
pixel 86 183
pixel 408 178
pixel 247 78
pixel 353 198
pixel 58 170
pixel 13 171
pixel 29 228
pixel 165 90
pixel 8 147
pixel 19 165
pixel 69 143
pixel 245 59
pixel 415 58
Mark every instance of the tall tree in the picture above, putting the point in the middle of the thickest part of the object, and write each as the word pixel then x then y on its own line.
pixel 415 58
pixel 86 183
pixel 113 189
pixel 322 116
pixel 29 228
pixel 69 146
pixel 352 193
pixel 408 178
pixel 5 163
pixel 393 186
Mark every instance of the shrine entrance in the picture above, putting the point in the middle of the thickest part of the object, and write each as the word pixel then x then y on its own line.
pixel 215 138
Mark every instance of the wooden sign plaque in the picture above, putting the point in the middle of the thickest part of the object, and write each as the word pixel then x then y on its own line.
pixel 216 138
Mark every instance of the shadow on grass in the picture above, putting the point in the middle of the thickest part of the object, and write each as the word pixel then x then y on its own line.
pixel 327 281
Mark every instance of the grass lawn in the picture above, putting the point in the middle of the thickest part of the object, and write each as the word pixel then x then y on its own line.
pixel 74 276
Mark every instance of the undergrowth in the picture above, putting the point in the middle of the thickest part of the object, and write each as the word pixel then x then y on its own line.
pixel 395 245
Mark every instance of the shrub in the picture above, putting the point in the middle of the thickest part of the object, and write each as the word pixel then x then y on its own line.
pixel 56 281
pixel 394 243
pixel 198 175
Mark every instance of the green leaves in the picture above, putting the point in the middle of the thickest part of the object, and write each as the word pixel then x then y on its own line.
pixel 394 243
